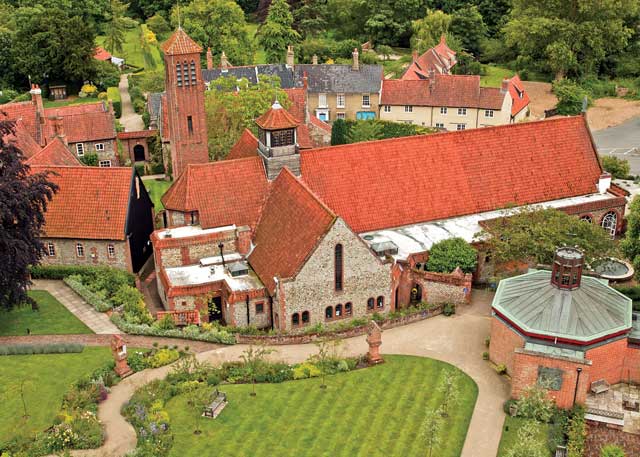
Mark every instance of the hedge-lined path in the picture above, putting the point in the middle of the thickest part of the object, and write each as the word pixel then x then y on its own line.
pixel 131 121
pixel 98 322
pixel 458 340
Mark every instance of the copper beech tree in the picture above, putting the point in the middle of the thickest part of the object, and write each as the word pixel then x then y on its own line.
pixel 23 201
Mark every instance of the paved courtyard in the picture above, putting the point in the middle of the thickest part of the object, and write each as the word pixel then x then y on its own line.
pixel 612 401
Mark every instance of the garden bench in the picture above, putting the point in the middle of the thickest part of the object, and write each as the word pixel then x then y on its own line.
pixel 217 405
pixel 600 386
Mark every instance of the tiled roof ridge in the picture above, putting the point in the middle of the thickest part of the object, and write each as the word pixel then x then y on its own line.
pixel 311 192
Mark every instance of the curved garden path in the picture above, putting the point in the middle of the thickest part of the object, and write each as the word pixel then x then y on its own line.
pixel 458 340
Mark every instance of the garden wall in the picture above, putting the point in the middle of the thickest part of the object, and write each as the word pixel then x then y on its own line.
pixel 599 435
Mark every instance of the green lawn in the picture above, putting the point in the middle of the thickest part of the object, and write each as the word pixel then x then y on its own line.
pixel 156 189
pixel 133 53
pixel 52 319
pixel 72 100
pixel 494 75
pixel 510 433
pixel 46 378
pixel 371 412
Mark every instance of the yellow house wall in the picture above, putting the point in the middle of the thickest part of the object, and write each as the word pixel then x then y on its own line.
pixel 353 104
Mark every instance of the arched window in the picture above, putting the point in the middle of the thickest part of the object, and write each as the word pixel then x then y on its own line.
pixel 610 222
pixel 179 75
pixel 305 317
pixel 328 313
pixel 295 319
pixel 371 303
pixel 338 266
pixel 185 72
pixel 338 310
pixel 348 308
pixel 380 301
pixel 587 218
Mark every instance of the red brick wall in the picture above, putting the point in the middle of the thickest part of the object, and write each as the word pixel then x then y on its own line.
pixel 504 341
pixel 599 435
pixel 631 365
pixel 608 361
pixel 525 373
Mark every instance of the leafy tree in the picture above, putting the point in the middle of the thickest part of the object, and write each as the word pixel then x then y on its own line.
pixel 581 31
pixel 276 33
pixel 631 244
pixel 619 168
pixel 576 433
pixel 339 132
pixel 253 358
pixel 385 51
pixel 450 390
pixel 311 17
pixel 447 255
pixel 327 352
pixel 23 201
pixel 534 403
pixel 148 8
pixel 229 111
pixel 159 25
pixel 219 25
pixel 389 21
pixel 528 444
pixel 7 58
pixel 51 43
pixel 199 399
pixel 611 450
pixel 348 18
pixel 468 26
pixel 533 234
pixel 248 6
pixel 494 14
pixel 364 131
pixel 570 97
pixel 105 74
pixel 116 26
pixel 561 59
pixel 431 430
pixel 428 30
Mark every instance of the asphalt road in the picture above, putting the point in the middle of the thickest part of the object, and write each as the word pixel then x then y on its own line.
pixel 622 141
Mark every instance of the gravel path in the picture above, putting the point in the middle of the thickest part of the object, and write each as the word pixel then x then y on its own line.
pixel 132 122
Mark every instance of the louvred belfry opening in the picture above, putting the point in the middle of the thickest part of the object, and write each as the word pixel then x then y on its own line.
pixel 567 268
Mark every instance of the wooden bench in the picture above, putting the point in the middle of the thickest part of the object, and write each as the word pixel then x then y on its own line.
pixel 217 405
pixel 600 386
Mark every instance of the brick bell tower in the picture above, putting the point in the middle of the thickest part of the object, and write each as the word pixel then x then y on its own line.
pixel 185 102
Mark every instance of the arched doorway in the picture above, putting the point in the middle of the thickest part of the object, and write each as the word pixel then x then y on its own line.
pixel 138 153
pixel 610 223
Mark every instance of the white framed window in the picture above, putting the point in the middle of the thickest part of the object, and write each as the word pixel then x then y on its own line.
pixel 439 125
pixel 340 115
pixel 610 223
pixel 366 101
pixel 99 147
pixel 322 100
pixel 340 100
pixel 408 108
pixel 51 250
pixel 387 108
pixel 462 111
pixel 79 250
pixel 488 113
pixel 80 149
pixel 461 126
pixel 443 110
pixel 111 251
pixel 104 163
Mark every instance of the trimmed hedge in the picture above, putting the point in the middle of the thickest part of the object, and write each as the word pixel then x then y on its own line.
pixel 97 300
pixel 211 336
pixel 29 349
pixel 58 271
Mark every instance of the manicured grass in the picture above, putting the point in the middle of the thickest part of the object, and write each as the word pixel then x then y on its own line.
pixel 114 94
pixel 156 190
pixel 494 76
pixel 52 319
pixel 46 379
pixel 133 53
pixel 510 433
pixel 376 411
pixel 72 100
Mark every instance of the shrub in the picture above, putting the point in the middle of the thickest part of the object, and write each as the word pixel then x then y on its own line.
pixel 501 369
pixel 96 299
pixel 485 355
pixel 570 97
pixel 448 309
pixel 51 348
pixel 446 255
pixel 163 357
pixel 306 370
pixel 90 159
pixel 166 323
pixel 576 434
pixel 611 450
pixel 140 169
pixel 88 90
pixel 619 168
pixel 139 106
pixel 534 404
pixel 132 301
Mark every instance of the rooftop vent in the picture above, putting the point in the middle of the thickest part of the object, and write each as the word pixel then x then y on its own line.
pixel 238 269
pixel 385 248
pixel 168 234
pixel 567 268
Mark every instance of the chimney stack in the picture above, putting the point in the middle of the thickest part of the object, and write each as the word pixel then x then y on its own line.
pixel 58 127
pixel 209 59
pixel 290 56
pixel 504 88
pixel 604 183
pixel 355 66
pixel 224 62
pixel 314 59
pixel 415 55
pixel 36 100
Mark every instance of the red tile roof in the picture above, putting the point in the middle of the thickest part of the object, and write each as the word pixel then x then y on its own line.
pixel 439 59
pixel 91 122
pixel 91 202
pixel 137 134
pixel 246 146
pixel 277 118
pixel 24 111
pixel 519 95
pixel 292 223
pixel 396 182
pixel 180 43
pixel 82 108
pixel 298 110
pixel 320 124
pixel 445 90
pixel 55 153
pixel 23 139
pixel 101 54
pixel 224 193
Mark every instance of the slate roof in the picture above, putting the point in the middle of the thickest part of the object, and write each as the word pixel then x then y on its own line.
pixel 154 103
pixel 91 202
pixel 252 73
pixel 339 78
pixel 402 181
pixel 224 193
pixel 592 312
pixel 55 153
pixel 246 146
pixel 180 43
pixel 292 223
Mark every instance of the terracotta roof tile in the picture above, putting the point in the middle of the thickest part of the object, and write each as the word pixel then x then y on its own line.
pixel 55 153
pixel 277 118
pixel 298 110
pixel 137 134
pixel 320 124
pixel 396 182
pixel 23 139
pixel 24 111
pixel 180 43
pixel 85 122
pixel 246 146
pixel 224 193
pixel 439 59
pixel 101 54
pixel 91 202
pixel 292 223
pixel 519 95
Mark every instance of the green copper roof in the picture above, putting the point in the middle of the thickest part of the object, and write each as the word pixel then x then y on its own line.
pixel 592 311
pixel 554 350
